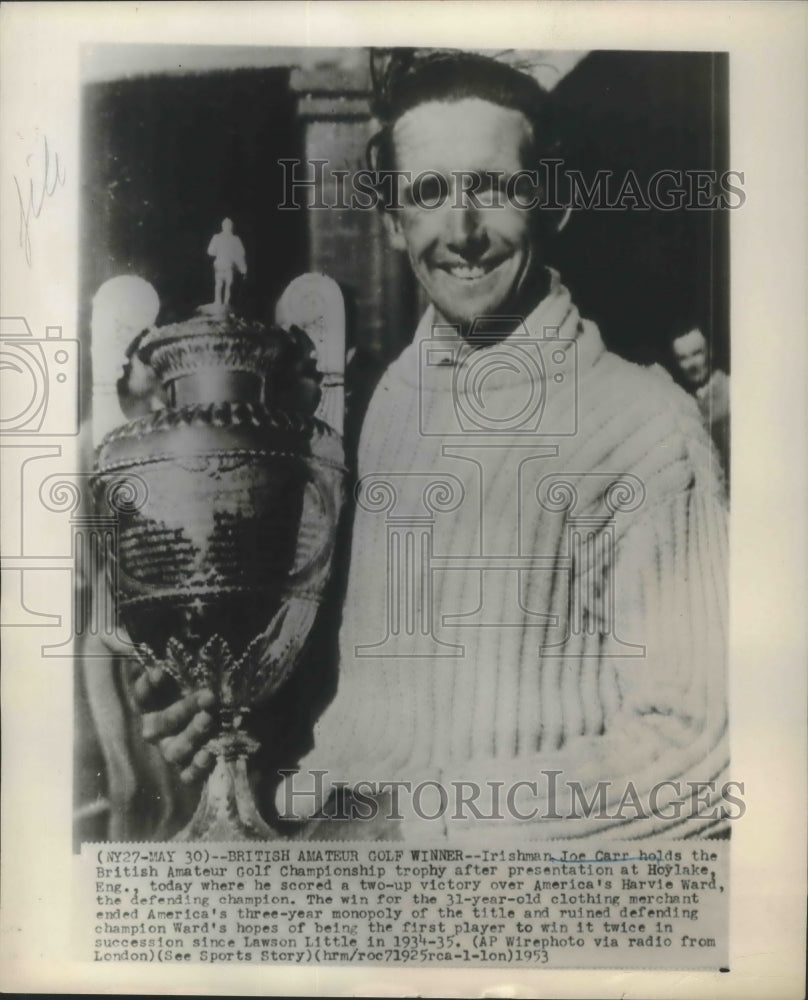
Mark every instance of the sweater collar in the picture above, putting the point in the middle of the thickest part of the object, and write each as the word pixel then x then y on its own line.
pixel 437 357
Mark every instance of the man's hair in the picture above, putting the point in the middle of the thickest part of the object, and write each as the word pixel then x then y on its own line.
pixel 686 323
pixel 405 78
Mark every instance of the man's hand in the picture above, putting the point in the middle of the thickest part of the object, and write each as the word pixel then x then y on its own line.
pixel 180 729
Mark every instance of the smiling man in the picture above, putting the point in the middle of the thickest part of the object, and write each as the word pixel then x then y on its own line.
pixel 535 607
pixel 462 132
pixel 533 631
pixel 471 260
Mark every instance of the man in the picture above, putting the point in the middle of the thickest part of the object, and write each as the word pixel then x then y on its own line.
pixel 711 388
pixel 537 576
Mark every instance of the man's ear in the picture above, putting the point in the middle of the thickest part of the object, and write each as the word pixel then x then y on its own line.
pixel 395 233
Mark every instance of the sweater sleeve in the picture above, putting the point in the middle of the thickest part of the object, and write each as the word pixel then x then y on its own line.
pixel 667 723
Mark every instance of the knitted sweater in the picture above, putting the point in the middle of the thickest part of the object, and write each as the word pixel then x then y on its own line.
pixel 535 593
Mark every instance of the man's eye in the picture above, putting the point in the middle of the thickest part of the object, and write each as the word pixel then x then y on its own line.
pixel 491 181
pixel 524 187
pixel 487 189
pixel 428 191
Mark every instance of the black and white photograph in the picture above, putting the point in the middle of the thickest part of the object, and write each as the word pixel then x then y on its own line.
pixel 391 433
pixel 411 400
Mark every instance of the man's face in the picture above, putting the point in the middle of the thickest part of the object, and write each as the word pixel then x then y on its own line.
pixel 690 351
pixel 470 259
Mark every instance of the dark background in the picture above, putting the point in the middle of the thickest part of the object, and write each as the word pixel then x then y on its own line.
pixel 166 158
pixel 643 274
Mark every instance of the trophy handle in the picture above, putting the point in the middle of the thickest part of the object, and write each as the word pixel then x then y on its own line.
pixel 278 647
pixel 318 525
pixel 314 302
pixel 112 632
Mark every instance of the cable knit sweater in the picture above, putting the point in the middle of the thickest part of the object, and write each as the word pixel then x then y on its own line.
pixel 567 599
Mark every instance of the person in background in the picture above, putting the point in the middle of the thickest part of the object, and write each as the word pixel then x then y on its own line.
pixel 691 359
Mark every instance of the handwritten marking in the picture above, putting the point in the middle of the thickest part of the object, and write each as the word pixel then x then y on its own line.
pixel 52 176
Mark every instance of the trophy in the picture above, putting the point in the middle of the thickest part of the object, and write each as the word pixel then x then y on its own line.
pixel 221 565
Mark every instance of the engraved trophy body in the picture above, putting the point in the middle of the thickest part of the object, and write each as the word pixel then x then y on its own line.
pixel 220 570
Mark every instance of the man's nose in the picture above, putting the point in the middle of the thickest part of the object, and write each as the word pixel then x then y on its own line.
pixel 466 232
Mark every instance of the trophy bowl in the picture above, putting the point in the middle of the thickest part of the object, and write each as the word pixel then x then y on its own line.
pixel 220 570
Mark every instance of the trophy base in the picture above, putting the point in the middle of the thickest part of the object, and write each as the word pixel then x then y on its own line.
pixel 227 809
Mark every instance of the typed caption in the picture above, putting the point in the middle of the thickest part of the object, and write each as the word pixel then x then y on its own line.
pixel 546 905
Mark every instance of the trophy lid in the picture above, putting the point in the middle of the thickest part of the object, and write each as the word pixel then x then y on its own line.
pixel 222 343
